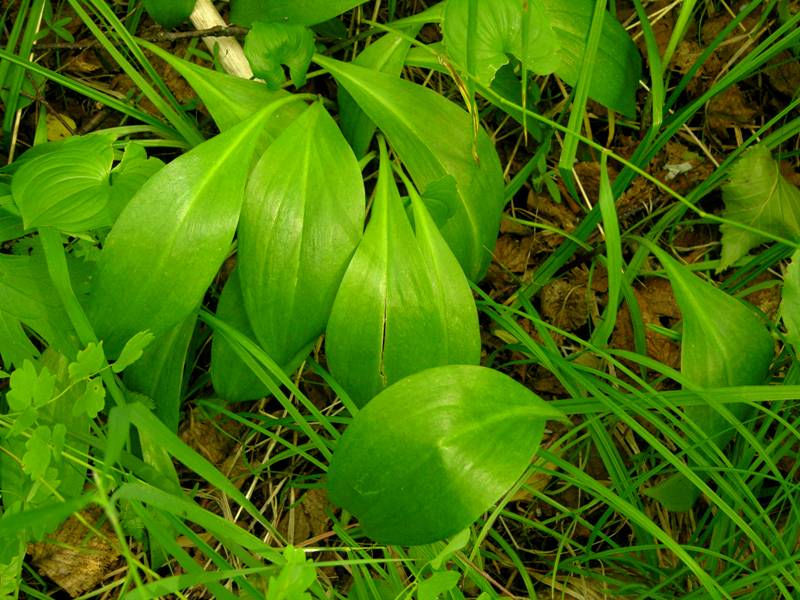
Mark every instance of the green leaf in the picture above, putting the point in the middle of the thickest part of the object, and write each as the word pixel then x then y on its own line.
pixel 132 351
pixel 432 452
pixel 757 195
pixel 295 577
pixel 724 344
pixel 232 379
pixel 169 13
pixel 169 242
pixel 67 188
pixel 386 55
pixel 229 99
pixel 498 34
pixel 37 455
pixel 397 289
pixel 30 387
pixel 10 221
pixel 302 219
pixel 270 45
pixel 432 588
pixel 89 361
pixel 128 176
pixel 92 401
pixel 790 301
pixel 618 66
pixel 434 138
pixel 301 12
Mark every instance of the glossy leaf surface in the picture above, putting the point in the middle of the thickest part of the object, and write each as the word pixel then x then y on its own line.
pixel 388 320
pixel 433 137
pixel 302 220
pixel 232 379
pixel 432 452
pixel 270 45
pixel 301 12
pixel 171 239
pixel 724 344
pixel 498 34
pixel 757 195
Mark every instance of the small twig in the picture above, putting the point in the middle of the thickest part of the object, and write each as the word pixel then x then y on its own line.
pixel 162 36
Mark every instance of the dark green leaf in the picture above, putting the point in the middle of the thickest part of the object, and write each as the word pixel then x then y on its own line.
pixel 67 188
pixel 302 219
pixel 301 12
pixel 169 242
pixel 232 379
pixel 432 452
pixel 397 289
pixel 270 45
pixel 433 137
pixel 757 195
pixel 169 13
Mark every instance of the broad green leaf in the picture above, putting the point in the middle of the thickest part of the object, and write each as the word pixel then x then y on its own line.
pixel 28 296
pixel 88 362
pixel 132 351
pixel 302 219
pixel 10 221
pixel 434 138
pixel 229 99
pixel 92 400
pixel 67 188
pixel 392 285
pixel 757 195
pixel 15 347
pixel 171 238
pixel 498 34
pixel 387 55
pixel 159 373
pixel 270 45
pixel 128 176
pixel 724 344
pixel 618 66
pixel 432 452
pixel 169 13
pixel 233 380
pixel 301 12
pixel 432 588
pixel 790 301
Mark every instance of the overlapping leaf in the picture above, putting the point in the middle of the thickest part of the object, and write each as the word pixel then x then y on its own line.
pixel 302 219
pixel 724 344
pixel 171 239
pixel 389 318
pixel 433 137
pixel 301 12
pixel 432 452
pixel 270 45
pixel 790 301
pixel 759 196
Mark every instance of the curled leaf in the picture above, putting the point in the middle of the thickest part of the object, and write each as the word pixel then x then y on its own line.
pixel 270 45
pixel 432 452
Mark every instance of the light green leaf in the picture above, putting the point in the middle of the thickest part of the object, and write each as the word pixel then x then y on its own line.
pixel 232 379
pixel 302 219
pixel 10 221
pixel 92 401
pixel 387 55
pixel 270 45
pixel 498 34
pixel 30 387
pixel 618 66
pixel 724 344
pixel 230 99
pixel 132 351
pixel 790 301
pixel 295 577
pixel 757 195
pixel 394 287
pixel 128 176
pixel 301 12
pixel 37 455
pixel 432 452
pixel 15 347
pixel 67 188
pixel 432 588
pixel 169 13
pixel 88 362
pixel 169 242
pixel 433 137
